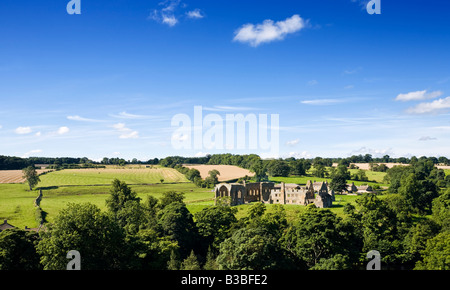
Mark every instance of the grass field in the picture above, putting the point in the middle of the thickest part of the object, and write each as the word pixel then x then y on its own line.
pixel 93 185
pixel 106 176
pixel 17 205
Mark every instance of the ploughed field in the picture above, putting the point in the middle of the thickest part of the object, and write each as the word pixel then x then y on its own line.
pixel 227 172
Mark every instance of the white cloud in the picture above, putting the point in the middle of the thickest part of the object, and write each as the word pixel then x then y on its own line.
pixel 437 106
pixel 170 20
pixel 293 142
pixel 28 154
pixel 126 133
pixel 418 95
pixel 195 14
pixel 23 130
pixel 38 134
pixel 269 31
pixel 1 126
pixel 374 152
pixel 62 130
pixel 313 83
pixel 200 154
pixel 298 155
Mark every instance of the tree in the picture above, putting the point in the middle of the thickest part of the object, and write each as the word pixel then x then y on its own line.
pixel 120 193
pixel 31 176
pixel 437 253
pixel 169 197
pixel 260 171
pixel 214 224
pixel 96 235
pixel 441 210
pixel 339 178
pixel 419 193
pixel 211 263
pixel 212 179
pixel 319 235
pixel 278 168
pixel 250 249
pixel 152 249
pixel 319 170
pixel 299 166
pixel 17 250
pixel 190 263
pixel 178 225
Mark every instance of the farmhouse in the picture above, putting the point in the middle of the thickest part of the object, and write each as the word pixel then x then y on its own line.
pixel 6 226
pixel 268 192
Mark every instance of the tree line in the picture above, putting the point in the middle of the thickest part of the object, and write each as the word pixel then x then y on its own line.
pixel 162 233
pixel 245 161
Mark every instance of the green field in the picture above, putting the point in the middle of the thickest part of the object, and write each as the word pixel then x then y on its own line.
pixel 106 176
pixel 93 185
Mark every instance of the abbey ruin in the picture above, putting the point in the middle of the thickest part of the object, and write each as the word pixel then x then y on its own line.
pixel 283 193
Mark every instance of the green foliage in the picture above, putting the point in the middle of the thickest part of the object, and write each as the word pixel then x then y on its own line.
pixel 83 227
pixel 318 234
pixel 170 197
pixel 214 224
pixel 249 249
pixel 17 250
pixel 120 193
pixel 178 225
pixel 437 253
pixel 441 210
pixel 190 263
pixel 31 176
pixel 278 168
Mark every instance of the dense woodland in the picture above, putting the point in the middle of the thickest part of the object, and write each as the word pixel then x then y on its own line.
pixel 409 225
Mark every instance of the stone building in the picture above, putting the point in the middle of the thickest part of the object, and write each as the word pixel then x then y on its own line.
pixel 268 192
pixel 6 226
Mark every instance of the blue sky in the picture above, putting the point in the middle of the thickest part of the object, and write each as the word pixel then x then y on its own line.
pixel 109 81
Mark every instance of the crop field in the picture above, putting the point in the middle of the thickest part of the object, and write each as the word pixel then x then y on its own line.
pixel 227 172
pixel 14 176
pixel 104 176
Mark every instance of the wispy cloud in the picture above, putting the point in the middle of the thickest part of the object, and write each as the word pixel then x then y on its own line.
pixel 427 138
pixel 352 71
pixel 313 82
pixel 293 142
pixel 322 102
pixel 171 12
pixel 29 153
pixel 126 133
pixel 23 130
pixel 125 115
pixel 418 95
pixel 81 119
pixel 195 14
pixel 434 107
pixel 269 30
pixel 228 109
